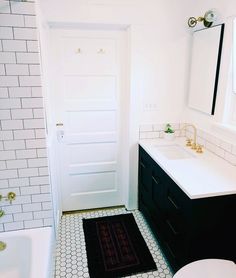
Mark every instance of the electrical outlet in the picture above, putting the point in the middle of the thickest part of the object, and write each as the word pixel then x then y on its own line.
pixel 148 107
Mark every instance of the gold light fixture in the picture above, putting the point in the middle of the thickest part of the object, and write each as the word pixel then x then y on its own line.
pixel 208 19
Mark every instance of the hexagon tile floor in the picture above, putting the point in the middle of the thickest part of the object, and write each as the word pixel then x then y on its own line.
pixel 71 259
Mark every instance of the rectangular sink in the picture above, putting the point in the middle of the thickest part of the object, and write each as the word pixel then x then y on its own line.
pixel 173 152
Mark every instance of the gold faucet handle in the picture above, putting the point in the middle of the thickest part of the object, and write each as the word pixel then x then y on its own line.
pixel 194 146
pixel 189 142
pixel 199 149
pixel 11 196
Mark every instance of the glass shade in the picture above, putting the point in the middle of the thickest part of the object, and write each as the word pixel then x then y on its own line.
pixel 210 16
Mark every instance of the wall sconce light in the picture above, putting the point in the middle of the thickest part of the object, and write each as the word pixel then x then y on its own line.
pixel 208 19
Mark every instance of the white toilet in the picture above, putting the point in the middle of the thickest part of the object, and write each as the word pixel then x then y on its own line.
pixel 209 268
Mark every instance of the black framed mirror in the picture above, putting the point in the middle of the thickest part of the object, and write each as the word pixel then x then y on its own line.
pixel 205 68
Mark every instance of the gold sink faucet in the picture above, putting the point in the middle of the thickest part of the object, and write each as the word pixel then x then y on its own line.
pixel 194 144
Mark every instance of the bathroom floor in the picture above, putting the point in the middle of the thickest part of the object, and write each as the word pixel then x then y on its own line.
pixel 71 259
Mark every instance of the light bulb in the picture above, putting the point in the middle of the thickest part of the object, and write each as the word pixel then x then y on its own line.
pixel 210 16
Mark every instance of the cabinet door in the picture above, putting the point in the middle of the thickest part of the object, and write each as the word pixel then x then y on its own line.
pixel 188 230
pixel 159 189
pixel 151 193
pixel 145 178
pixel 179 207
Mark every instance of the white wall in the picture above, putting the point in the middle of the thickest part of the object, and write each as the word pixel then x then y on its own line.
pixel 158 60
pixel 159 56
pixel 227 11
pixel 158 46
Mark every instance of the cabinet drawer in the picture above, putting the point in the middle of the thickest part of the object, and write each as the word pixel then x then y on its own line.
pixel 179 204
pixel 173 228
pixel 174 203
pixel 158 190
pixel 144 178
pixel 145 171
pixel 176 253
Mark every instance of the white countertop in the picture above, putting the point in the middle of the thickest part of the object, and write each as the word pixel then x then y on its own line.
pixel 200 176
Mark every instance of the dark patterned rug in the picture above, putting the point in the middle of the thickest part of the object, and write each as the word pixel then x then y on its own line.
pixel 115 247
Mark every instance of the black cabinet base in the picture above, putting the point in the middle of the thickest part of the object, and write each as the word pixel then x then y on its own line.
pixel 187 230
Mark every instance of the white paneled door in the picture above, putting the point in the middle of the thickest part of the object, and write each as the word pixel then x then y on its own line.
pixel 88 118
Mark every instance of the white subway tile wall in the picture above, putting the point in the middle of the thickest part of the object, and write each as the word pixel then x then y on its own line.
pixel 152 131
pixel 23 155
pixel 212 143
pixel 216 145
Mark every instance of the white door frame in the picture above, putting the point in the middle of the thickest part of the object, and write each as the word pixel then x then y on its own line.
pixel 51 130
pixel 72 171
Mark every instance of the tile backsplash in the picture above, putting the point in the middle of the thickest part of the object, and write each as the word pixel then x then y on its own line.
pixel 212 143
pixel 215 145
pixel 152 131
pixel 23 156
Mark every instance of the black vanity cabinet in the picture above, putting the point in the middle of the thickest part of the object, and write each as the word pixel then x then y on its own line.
pixel 187 229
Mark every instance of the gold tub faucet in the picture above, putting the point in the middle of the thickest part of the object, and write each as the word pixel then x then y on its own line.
pixel 11 196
